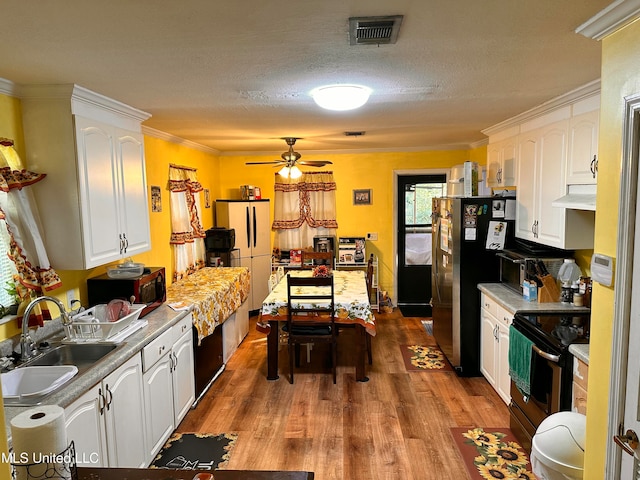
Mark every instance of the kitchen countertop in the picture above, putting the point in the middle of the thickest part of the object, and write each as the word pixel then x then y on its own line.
pixel 158 321
pixel 513 302
pixel 580 351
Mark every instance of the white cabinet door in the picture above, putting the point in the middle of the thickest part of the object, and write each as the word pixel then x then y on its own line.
pixel 124 415
pixel 229 337
pixel 133 205
pixel 159 416
pixel 85 426
pixel 583 149
pixel 526 196
pixel 503 380
pixel 550 184
pixel 183 376
pixel 501 163
pixel 488 347
pixel 98 188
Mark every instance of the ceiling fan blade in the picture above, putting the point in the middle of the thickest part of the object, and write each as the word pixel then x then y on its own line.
pixel 315 163
pixel 277 162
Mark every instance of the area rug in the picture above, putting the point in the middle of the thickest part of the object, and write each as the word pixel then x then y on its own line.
pixel 424 358
pixel 492 453
pixel 195 451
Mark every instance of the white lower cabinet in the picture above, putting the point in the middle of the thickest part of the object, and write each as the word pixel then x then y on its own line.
pixel 169 383
pixel 494 357
pixel 107 423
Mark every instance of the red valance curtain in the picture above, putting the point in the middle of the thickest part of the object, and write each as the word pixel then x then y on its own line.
pixel 19 211
pixel 187 234
pixel 303 208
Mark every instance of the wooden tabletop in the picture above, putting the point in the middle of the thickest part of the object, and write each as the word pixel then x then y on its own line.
pixel 100 473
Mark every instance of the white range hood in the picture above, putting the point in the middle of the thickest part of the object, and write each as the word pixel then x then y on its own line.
pixel 578 197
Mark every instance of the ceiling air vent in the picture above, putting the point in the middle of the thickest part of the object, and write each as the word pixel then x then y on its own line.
pixel 374 30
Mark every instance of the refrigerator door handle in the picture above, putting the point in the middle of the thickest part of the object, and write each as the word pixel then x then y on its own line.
pixel 248 229
pixel 255 226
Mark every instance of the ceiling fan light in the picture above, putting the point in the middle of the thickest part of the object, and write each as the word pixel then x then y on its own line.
pixel 295 172
pixel 284 172
pixel 341 97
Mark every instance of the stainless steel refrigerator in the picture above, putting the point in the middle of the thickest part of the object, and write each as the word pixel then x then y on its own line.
pixel 462 258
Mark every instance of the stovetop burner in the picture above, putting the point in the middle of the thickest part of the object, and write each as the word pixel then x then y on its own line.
pixel 558 329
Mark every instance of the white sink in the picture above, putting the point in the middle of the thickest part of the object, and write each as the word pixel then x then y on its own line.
pixel 31 382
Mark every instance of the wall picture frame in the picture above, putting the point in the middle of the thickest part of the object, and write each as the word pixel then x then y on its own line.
pixel 362 196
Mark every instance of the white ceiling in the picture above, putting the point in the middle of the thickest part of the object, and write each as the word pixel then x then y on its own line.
pixel 235 75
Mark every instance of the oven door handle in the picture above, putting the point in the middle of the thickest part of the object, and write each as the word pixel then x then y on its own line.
pixel 547 356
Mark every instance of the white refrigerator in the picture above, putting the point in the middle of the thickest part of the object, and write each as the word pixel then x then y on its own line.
pixel 251 221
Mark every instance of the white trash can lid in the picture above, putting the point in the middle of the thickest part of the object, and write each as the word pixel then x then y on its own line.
pixel 559 442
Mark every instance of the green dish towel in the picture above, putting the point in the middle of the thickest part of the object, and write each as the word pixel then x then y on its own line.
pixel 520 359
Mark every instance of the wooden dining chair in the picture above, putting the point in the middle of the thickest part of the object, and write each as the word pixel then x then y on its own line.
pixel 316 258
pixel 310 317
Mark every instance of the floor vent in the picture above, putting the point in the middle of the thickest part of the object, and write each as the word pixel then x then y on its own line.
pixel 374 30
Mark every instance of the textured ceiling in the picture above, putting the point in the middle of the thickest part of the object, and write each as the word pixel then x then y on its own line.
pixel 235 75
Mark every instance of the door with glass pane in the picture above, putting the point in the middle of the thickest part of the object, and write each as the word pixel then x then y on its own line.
pixel 415 193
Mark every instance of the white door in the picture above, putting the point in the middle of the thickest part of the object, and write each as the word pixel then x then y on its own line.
pixel 124 415
pixel 183 376
pixel 98 182
pixel 85 426
pixel 133 204
pixel 261 228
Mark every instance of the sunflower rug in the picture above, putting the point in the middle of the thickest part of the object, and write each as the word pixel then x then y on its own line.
pixel 492 453
pixel 424 358
pixel 195 451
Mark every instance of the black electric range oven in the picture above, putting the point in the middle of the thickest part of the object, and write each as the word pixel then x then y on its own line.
pixel 552 369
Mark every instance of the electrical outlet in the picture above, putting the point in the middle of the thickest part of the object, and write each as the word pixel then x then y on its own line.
pixel 372 236
pixel 70 297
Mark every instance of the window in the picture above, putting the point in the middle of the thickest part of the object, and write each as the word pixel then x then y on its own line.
pixel 7 267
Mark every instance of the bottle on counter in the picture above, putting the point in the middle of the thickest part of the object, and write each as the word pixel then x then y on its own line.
pixel 575 291
pixel 566 295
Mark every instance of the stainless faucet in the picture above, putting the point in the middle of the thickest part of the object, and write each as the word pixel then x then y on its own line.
pixel 27 345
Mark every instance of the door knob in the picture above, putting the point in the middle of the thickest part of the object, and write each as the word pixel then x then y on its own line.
pixel 628 442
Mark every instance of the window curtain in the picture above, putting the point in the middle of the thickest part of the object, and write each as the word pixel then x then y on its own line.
pixel 187 234
pixel 19 211
pixel 303 208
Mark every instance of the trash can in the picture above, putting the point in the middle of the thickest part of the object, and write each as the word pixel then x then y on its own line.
pixel 557 448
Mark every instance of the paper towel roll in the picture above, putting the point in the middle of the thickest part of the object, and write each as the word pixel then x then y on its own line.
pixel 39 436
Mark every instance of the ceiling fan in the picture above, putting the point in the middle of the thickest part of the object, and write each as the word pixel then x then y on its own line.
pixel 291 160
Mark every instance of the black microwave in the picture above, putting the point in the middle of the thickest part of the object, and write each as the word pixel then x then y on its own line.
pixel 148 288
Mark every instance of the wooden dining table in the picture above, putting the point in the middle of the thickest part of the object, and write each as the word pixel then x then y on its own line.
pixel 352 308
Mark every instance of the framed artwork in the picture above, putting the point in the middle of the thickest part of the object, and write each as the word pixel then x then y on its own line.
pixel 156 199
pixel 207 198
pixel 362 197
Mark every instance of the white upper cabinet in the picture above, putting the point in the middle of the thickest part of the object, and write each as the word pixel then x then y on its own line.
pixel 501 163
pixel 582 163
pixel 555 147
pixel 93 203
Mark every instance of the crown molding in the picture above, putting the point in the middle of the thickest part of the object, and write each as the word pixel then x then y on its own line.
pixel 7 87
pixel 152 132
pixel 616 16
pixel 585 91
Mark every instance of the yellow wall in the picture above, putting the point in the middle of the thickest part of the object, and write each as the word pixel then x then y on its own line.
pixel 353 171
pixel 620 77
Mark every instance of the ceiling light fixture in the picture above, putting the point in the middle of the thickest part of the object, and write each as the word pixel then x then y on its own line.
pixel 290 172
pixel 341 97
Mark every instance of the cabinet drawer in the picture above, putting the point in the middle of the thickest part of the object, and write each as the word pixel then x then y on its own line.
pixel 489 305
pixel 156 349
pixel 504 316
pixel 181 327
pixel 580 373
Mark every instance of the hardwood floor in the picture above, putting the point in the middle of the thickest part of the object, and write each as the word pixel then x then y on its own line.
pixel 396 426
